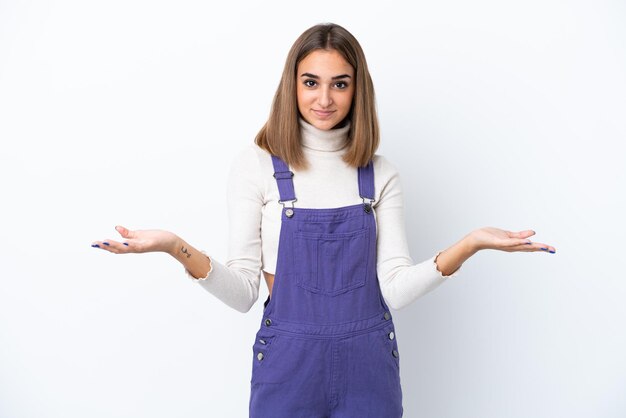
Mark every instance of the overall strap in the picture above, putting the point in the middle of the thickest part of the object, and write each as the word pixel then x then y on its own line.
pixel 366 181
pixel 284 180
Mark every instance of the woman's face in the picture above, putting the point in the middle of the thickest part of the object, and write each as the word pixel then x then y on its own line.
pixel 325 89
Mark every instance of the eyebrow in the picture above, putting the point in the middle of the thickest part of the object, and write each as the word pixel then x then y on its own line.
pixel 337 77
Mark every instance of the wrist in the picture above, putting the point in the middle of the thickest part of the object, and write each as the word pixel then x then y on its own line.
pixel 470 245
pixel 176 246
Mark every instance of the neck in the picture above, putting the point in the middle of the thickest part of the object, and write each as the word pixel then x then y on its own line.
pixel 327 141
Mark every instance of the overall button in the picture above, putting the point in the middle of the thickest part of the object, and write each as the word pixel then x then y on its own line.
pixel 260 356
pixel 268 322
pixel 387 316
pixel 289 213
pixel 392 335
pixel 395 353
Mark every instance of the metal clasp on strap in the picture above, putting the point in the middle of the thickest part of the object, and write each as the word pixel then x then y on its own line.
pixel 285 175
pixel 367 206
pixel 289 211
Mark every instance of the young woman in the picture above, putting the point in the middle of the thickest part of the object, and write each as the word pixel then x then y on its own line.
pixel 321 215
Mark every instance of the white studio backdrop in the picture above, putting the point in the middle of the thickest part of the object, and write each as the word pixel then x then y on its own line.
pixel 495 113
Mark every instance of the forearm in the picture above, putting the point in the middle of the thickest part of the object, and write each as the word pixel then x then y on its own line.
pixel 196 263
pixel 449 260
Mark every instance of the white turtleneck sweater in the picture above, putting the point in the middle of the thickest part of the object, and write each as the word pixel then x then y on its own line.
pixel 254 220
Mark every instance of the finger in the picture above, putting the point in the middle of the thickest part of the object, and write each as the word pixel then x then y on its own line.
pixel 521 246
pixel 535 246
pixel 96 244
pixel 546 248
pixel 103 245
pixel 112 246
pixel 118 247
pixel 514 242
pixel 124 232
pixel 522 234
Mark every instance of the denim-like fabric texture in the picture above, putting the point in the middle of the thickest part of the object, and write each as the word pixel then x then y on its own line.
pixel 326 346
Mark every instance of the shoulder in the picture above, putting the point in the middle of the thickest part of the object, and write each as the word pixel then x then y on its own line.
pixel 384 170
pixel 251 159
pixel 246 155
pixel 386 178
pixel 249 169
pixel 383 164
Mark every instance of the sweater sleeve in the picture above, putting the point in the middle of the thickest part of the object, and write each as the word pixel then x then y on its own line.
pixel 401 281
pixel 236 282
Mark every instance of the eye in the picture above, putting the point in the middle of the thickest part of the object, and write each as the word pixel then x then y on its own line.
pixel 309 83
pixel 341 85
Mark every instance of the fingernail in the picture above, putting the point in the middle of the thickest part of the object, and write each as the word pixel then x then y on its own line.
pixel 95 245
pixel 106 243
pixel 551 252
pixel 544 249
pixel 529 242
pixel 126 244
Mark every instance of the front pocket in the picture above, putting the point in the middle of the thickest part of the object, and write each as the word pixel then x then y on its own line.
pixel 331 263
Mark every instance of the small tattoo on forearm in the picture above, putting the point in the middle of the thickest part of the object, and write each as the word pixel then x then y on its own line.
pixel 184 250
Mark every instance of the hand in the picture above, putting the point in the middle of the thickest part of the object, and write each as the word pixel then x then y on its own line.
pixel 498 239
pixel 140 241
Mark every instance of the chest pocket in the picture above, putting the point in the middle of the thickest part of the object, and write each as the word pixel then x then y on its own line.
pixel 331 264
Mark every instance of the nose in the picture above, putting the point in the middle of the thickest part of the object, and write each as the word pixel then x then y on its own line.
pixel 325 99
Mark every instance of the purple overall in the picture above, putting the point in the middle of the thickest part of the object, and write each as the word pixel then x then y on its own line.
pixel 326 346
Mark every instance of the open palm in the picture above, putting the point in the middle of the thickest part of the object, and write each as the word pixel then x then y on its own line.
pixel 503 240
pixel 139 241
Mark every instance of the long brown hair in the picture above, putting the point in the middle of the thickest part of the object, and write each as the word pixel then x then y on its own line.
pixel 281 133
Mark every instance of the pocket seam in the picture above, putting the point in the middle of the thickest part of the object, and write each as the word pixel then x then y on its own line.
pixel 339 236
pixel 336 235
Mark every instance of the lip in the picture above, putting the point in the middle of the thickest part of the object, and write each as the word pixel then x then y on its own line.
pixel 323 114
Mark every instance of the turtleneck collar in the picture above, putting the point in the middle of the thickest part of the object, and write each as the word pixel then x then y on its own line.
pixel 320 140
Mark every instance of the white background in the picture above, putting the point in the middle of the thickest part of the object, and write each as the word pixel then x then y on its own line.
pixel 496 113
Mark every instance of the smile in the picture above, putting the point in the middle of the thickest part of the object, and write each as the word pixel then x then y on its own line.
pixel 323 114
